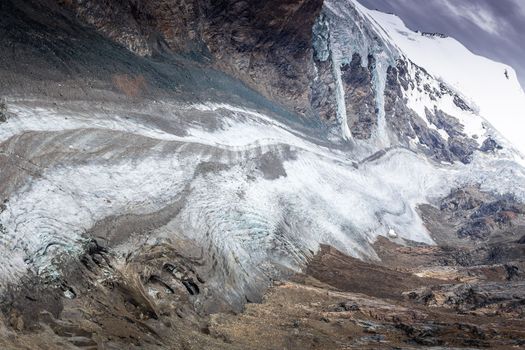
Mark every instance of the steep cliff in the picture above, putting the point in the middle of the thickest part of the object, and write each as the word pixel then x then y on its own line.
pixel 266 44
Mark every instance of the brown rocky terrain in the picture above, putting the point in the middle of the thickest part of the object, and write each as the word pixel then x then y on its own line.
pixel 279 49
pixel 266 44
pixel 148 302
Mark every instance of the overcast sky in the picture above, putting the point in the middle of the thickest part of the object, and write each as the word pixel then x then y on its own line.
pixel 491 28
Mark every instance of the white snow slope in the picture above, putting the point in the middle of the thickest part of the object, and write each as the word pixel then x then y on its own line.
pixel 481 81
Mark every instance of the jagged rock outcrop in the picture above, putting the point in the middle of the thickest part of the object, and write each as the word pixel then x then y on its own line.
pixel 490 145
pixel 265 44
pixel 361 109
pixel 444 138
pixel 473 214
pixel 296 53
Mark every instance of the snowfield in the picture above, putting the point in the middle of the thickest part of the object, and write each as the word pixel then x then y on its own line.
pixel 499 99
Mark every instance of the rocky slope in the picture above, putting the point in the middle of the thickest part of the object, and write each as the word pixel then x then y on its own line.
pixel 445 301
pixel 164 162
pixel 265 44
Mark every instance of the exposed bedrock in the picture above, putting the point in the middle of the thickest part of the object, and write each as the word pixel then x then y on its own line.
pixel 361 109
pixel 323 96
pixel 302 54
pixel 150 300
pixel 473 215
pixel 441 135
pixel 146 300
pixel 266 44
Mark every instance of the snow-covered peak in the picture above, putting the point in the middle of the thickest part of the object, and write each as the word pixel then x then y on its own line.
pixel 491 87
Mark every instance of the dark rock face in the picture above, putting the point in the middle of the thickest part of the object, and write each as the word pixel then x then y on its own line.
pixel 459 145
pixel 489 297
pixel 265 44
pixel 446 122
pixel 360 97
pixel 493 215
pixel 323 92
pixel 274 38
pixel 405 122
pixel 281 49
pixel 473 214
pixel 489 145
pixel 462 148
pixel 458 101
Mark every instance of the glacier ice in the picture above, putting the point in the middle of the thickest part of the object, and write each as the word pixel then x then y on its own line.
pixel 252 225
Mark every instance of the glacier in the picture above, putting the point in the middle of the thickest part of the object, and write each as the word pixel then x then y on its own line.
pixel 259 219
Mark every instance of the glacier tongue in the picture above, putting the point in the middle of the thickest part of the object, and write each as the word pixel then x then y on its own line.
pixel 254 205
